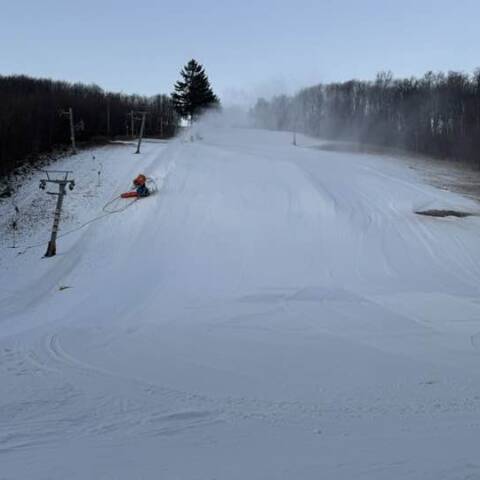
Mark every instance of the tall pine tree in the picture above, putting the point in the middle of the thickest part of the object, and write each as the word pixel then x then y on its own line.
pixel 193 94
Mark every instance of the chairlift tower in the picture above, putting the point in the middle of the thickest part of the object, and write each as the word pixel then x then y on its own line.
pixel 60 178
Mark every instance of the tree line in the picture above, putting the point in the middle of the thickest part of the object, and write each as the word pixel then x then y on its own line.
pixel 31 120
pixel 437 115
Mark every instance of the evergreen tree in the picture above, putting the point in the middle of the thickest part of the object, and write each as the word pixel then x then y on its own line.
pixel 193 95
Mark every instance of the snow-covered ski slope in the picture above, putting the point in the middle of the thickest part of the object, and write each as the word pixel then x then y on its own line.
pixel 274 312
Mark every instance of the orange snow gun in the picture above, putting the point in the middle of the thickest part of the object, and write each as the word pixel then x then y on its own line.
pixel 140 186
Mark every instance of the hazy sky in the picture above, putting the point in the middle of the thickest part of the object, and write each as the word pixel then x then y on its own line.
pixel 248 48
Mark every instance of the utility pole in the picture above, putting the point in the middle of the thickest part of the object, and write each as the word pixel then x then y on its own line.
pixel 61 179
pixel 69 113
pixel 142 128
pixel 131 114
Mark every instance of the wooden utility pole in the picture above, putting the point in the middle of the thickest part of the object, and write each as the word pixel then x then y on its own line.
pixel 69 113
pixel 62 183
pixel 142 128
pixel 132 122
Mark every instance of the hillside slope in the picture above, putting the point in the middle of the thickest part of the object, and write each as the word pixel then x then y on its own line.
pixel 274 312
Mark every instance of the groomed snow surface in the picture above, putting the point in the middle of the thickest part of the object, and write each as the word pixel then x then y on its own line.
pixel 273 312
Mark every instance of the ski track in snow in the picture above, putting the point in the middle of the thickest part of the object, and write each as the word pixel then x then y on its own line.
pixel 273 312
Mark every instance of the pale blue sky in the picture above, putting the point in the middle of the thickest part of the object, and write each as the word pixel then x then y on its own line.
pixel 248 48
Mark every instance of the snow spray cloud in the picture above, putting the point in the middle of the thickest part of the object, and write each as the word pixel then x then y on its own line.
pixel 413 114
pixel 215 119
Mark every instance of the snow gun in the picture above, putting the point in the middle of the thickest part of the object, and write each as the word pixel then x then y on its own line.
pixel 140 188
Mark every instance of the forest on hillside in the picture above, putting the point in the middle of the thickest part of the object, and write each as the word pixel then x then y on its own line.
pixel 31 120
pixel 437 115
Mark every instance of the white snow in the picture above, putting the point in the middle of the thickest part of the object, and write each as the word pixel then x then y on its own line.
pixel 273 312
